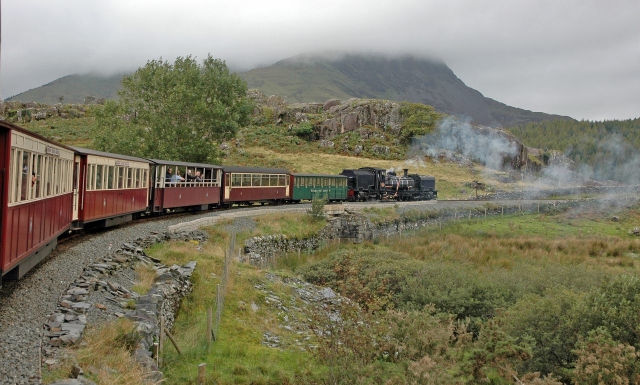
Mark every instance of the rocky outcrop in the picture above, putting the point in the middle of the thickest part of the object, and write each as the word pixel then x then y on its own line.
pixel 356 113
pixel 18 112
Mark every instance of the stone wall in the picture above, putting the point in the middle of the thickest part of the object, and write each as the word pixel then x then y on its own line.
pixel 89 295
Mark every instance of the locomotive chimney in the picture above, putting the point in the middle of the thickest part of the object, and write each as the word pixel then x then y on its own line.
pixel 406 171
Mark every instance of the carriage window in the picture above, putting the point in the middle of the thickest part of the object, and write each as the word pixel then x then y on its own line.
pixel 109 172
pixel 63 175
pixel 99 177
pixel 120 174
pixel 12 175
pixel 48 171
pixel 24 165
pixel 32 177
pixel 56 176
pixel 144 178
pixel 246 179
pixel 129 177
pixel 91 172
pixel 137 177
pixel 255 180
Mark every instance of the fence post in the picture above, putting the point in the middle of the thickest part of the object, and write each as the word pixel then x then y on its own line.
pixel 156 353
pixel 209 324
pixel 161 337
pixel 202 373
pixel 502 215
pixel 218 310
pixel 485 213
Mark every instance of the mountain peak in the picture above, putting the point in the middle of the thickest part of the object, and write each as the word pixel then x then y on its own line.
pixel 317 77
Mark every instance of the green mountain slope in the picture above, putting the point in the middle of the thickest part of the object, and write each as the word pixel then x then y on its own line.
pixel 73 88
pixel 315 78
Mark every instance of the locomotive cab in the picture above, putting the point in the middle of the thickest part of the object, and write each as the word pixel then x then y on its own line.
pixel 365 183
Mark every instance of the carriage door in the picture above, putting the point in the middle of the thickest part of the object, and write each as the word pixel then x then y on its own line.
pixel 227 185
pixel 4 193
pixel 286 183
pixel 76 186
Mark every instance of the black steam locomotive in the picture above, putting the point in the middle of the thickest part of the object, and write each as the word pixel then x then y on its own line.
pixel 370 183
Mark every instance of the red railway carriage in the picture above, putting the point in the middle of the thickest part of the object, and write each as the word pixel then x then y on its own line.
pixel 253 184
pixel 185 185
pixel 112 188
pixel 36 192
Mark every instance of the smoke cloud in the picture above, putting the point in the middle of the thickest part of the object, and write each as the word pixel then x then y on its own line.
pixel 455 137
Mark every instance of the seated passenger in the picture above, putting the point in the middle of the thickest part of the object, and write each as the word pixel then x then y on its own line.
pixel 168 175
pixel 190 178
pixel 198 177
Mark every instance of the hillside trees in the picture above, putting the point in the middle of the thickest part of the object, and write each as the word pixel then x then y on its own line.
pixel 176 111
pixel 601 150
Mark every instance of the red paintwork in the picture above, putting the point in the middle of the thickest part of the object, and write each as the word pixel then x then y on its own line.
pixel 31 225
pixel 291 184
pixel 101 204
pixel 170 197
pixel 256 194
pixel 5 156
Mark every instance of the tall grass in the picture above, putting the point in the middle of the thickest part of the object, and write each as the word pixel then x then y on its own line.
pixel 238 355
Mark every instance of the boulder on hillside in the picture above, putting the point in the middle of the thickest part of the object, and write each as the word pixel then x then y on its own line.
pixel 330 103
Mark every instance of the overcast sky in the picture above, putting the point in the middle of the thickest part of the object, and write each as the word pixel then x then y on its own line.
pixel 571 57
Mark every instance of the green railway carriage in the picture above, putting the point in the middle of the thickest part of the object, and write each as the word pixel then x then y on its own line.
pixel 308 186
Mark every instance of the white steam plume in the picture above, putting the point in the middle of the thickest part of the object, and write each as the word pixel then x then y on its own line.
pixel 487 147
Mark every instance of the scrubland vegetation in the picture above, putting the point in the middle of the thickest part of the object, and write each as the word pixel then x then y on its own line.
pixel 527 299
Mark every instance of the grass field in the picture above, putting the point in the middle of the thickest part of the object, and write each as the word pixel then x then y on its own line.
pixel 507 259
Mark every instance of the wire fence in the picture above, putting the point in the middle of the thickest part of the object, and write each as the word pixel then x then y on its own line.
pixel 214 319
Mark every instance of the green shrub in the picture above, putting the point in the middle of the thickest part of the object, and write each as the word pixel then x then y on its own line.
pixel 316 212
pixel 303 130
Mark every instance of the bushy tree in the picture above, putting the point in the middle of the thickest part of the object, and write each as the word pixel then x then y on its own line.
pixel 418 120
pixel 179 110
pixel 602 360
pixel 551 321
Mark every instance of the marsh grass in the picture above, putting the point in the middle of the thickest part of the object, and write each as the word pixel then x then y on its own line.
pixel 145 277
pixel 292 225
pixel 528 239
pixel 105 356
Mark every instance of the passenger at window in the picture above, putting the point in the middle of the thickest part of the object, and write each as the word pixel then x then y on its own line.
pixel 168 175
pixel 190 177
pixel 176 177
pixel 198 177
pixel 34 178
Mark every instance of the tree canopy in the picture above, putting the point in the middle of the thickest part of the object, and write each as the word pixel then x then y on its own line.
pixel 176 111
pixel 601 150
